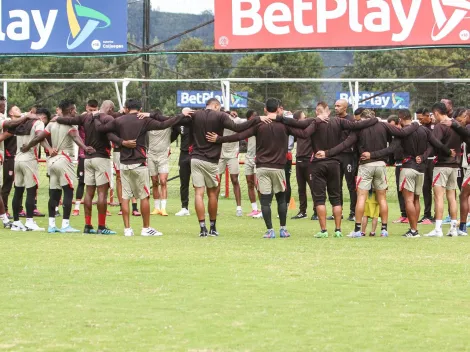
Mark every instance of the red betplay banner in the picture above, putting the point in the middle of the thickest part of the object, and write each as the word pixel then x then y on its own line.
pixel 263 24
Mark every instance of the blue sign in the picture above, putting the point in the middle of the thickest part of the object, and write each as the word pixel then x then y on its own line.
pixel 198 98
pixel 62 26
pixel 390 100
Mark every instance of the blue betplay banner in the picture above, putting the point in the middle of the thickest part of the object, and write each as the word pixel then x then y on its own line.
pixel 198 98
pixel 390 100
pixel 62 26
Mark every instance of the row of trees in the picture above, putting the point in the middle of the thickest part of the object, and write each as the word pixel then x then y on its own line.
pixel 447 63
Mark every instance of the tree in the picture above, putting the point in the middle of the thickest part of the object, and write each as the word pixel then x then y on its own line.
pixel 293 95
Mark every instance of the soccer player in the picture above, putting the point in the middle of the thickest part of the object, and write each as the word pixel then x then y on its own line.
pixel 159 167
pixel 348 160
pixel 270 161
pixel 449 104
pixel 397 158
pixel 134 171
pixel 26 170
pixel 229 159
pixel 372 170
pixel 91 106
pixel 325 166
pixel 10 124
pixel 184 166
pixel 445 171
pixel 302 169
pixel 61 168
pixel 250 169
pixel 98 171
pixel 205 159
pixel 424 118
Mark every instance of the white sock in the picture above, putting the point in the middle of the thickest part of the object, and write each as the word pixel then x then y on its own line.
pixel 29 221
pixel 65 223
pixel 56 208
pixel 4 218
pixel 254 206
pixel 157 203
pixel 283 228
pixel 164 204
pixel 239 208
pixel 453 224
pixel 144 229
pixel 51 222
pixel 438 225
pixel 77 205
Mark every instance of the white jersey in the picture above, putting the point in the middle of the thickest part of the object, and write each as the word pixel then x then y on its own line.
pixel 231 150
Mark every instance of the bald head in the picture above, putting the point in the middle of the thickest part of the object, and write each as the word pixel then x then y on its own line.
pixel 107 107
pixel 341 108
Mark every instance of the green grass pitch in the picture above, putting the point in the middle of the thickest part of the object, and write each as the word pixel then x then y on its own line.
pixel 233 293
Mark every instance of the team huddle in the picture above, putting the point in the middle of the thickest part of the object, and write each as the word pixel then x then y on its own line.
pixel 329 148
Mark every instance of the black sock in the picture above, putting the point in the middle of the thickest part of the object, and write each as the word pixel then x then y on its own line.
pixel 213 222
pixel 337 230
pixel 324 231
pixel 120 206
pixel 384 227
pixel 357 227
pixel 134 207
pixel 265 201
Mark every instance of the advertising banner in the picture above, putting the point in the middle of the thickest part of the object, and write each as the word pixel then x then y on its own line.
pixel 198 98
pixel 389 100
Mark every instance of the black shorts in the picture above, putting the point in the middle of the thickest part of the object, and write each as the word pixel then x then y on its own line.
pixel 81 170
pixel 326 177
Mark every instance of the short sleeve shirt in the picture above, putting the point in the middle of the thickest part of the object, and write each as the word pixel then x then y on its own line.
pixel 61 138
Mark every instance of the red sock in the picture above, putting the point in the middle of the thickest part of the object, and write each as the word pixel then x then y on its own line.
pixel 102 220
pixel 88 220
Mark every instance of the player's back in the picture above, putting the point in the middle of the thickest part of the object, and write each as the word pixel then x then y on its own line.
pixel 25 134
pixel 61 138
pixel 271 145
pixel 205 121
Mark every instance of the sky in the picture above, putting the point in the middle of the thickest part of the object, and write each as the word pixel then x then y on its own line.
pixel 187 6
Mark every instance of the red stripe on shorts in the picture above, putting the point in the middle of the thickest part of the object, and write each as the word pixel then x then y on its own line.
pixel 436 179
pixel 36 180
pixel 107 176
pixel 402 187
pixel 465 184
pixel 69 181
pixel 358 181
pixel 147 191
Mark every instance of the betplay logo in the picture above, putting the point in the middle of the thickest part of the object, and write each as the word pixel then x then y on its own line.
pixel 445 25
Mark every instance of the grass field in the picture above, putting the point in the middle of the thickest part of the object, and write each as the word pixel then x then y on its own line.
pixel 233 293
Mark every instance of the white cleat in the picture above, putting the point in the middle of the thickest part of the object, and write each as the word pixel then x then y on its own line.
pixel 452 233
pixel 239 213
pixel 434 233
pixel 461 233
pixel 34 227
pixel 183 212
pixel 258 216
pixel 150 232
pixel 128 232
pixel 19 227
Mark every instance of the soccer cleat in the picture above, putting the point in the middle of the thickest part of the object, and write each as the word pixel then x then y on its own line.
pixel 22 214
pixel 384 233
pixel 69 229
pixel 452 233
pixel 299 216
pixel 253 213
pixel 38 214
pixel 76 213
pixel 258 216
pixel 136 213
pixel 34 227
pixel 354 234
pixel 270 234
pixel 183 212
pixel 213 233
pixel 435 233
pixel 352 217
pixel 239 213
pixel 108 213
pixel 105 231
pixel 462 233
pixel 53 229
pixel 411 234
pixel 321 235
pixel 372 234
pixel 163 212
pixel 399 220
pixel 203 233
pixel 89 230
pixel 284 233
pixel 18 226
pixel 128 232
pixel 338 234
pixel 425 221
pixel 314 217
pixel 120 212
pixel 405 221
pixel 150 232
pixel 155 212
pixel 9 216
pixel 446 220
pixel 7 225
